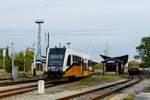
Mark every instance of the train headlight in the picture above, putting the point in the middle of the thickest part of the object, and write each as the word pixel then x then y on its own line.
pixel 49 68
pixel 55 68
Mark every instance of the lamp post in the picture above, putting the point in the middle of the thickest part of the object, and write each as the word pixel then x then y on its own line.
pixel 12 55
pixel 47 46
pixel 24 65
pixel 39 22
pixel 34 58
pixel 4 54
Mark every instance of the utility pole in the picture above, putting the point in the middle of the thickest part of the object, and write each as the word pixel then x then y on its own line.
pixel 105 53
pixel 12 53
pixel 33 69
pixel 39 22
pixel 59 45
pixel 88 49
pixel 68 44
pixel 4 54
pixel 47 41
pixel 24 61
pixel 107 48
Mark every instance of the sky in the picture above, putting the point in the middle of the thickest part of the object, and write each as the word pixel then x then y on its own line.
pixel 88 24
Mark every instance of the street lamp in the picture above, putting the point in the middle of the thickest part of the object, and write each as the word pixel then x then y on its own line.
pixel 12 55
pixel 39 22
pixel 33 67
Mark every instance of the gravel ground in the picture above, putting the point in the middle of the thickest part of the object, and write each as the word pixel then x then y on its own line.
pixel 71 88
pixel 56 92
pixel 30 97
pixel 132 91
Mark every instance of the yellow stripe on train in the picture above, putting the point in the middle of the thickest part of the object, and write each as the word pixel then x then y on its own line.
pixel 77 71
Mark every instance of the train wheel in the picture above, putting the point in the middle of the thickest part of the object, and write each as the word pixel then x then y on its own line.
pixel 72 78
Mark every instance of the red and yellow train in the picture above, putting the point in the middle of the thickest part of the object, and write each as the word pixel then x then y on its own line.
pixel 67 63
pixel 133 67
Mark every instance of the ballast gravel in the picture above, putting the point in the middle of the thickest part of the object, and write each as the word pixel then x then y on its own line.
pixel 131 91
pixel 58 92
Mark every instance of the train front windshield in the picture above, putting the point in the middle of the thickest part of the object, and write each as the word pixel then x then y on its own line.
pixel 56 56
pixel 134 65
pixel 56 59
pixel 55 62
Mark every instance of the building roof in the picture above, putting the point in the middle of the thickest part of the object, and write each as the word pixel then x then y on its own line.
pixel 123 58
pixel 111 59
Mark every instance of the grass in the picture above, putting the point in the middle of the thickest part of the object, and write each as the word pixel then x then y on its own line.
pixel 97 66
pixel 130 97
pixel 84 83
pixel 93 80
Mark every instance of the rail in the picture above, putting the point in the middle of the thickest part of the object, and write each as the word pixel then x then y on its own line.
pixel 101 92
pixel 27 87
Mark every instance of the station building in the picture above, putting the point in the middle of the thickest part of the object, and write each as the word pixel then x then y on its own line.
pixel 114 64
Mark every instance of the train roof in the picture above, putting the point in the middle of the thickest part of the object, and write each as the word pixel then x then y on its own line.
pixel 134 61
pixel 73 52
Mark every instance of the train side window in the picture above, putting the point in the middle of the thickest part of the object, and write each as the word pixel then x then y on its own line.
pixel 89 63
pixel 69 60
pixel 79 59
pixel 74 59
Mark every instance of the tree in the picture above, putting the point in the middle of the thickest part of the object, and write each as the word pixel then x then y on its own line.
pixel 1 52
pixel 144 52
pixel 7 60
pixel 20 60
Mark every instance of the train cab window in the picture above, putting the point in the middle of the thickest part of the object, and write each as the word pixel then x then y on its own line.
pixel 69 60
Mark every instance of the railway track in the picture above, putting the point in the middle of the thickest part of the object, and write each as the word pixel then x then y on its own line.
pixel 10 82
pixel 7 83
pixel 99 93
pixel 24 86
pixel 6 78
pixel 7 91
pixel 23 89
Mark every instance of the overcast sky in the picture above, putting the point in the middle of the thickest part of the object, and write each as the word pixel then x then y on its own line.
pixel 87 24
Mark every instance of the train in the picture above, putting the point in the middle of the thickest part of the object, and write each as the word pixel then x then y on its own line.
pixel 67 63
pixel 133 68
